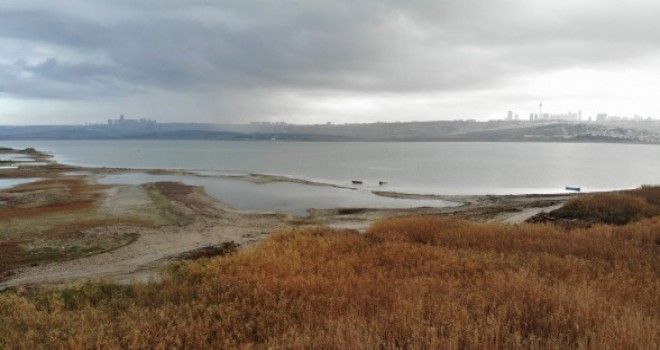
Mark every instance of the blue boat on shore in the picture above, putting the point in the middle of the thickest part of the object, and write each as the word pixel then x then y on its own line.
pixel 571 188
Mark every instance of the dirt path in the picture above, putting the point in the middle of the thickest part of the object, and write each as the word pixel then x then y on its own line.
pixel 527 213
pixel 142 259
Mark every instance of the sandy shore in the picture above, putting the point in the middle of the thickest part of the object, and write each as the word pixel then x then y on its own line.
pixel 181 219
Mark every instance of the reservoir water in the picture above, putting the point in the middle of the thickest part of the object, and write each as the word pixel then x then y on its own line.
pixel 425 168
pixel 289 197
pixel 7 183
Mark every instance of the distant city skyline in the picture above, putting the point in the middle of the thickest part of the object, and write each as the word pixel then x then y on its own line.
pixel 78 61
pixel 572 115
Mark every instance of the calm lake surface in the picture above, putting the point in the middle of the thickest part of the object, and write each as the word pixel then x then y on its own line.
pixel 7 183
pixel 289 197
pixel 430 167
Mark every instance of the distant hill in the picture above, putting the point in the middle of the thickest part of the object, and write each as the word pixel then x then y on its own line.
pixel 468 131
pixel 231 136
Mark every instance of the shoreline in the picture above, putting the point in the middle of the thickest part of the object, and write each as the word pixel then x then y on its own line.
pixel 470 197
pixel 181 219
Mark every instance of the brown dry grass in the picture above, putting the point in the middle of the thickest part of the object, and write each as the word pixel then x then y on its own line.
pixel 613 208
pixel 411 283
pixel 47 210
pixel 48 197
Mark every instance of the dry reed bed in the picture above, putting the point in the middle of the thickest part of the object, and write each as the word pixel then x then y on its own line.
pixel 617 208
pixel 412 283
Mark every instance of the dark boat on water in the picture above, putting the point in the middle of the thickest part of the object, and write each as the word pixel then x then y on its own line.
pixel 571 188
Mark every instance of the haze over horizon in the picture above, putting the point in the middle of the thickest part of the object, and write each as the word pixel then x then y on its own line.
pixel 77 61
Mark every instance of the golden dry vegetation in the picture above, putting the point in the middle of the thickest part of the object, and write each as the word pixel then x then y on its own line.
pixel 408 283
pixel 613 208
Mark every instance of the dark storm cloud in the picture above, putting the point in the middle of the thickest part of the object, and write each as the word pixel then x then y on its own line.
pixel 60 29
pixel 363 46
pixel 50 79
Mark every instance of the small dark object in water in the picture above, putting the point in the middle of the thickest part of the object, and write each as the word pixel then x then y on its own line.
pixel 382 182
pixel 356 182
pixel 570 188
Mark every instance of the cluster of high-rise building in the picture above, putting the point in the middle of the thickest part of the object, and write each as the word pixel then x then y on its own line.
pixel 122 122
pixel 569 116
pixel 575 117
pixel 603 117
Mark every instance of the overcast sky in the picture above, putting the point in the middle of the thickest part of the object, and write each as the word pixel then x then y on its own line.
pixel 72 61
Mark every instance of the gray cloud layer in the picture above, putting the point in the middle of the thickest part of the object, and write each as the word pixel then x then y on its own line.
pixel 93 49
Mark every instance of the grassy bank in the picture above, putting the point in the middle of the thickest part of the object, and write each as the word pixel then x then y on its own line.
pixel 613 208
pixel 411 283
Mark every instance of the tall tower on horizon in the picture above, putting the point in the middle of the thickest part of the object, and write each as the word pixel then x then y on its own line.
pixel 540 110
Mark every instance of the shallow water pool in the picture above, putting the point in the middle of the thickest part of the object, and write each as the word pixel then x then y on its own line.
pixel 288 197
